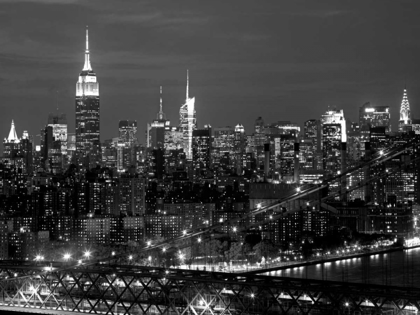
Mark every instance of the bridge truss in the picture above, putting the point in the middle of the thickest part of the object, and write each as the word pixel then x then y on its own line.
pixel 146 290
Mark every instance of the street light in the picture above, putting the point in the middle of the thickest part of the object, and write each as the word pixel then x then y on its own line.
pixel 184 232
pixel 234 229
pixel 87 254
pixel 298 189
pixel 67 256
pixel 130 257
pixel 149 243
pixel 199 240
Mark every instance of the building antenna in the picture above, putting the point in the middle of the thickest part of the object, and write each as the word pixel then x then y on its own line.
pixel 188 84
pixel 87 66
pixel 161 107
pixel 56 99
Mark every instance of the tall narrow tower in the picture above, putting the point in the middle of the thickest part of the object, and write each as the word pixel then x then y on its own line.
pixel 87 115
pixel 188 121
pixel 405 113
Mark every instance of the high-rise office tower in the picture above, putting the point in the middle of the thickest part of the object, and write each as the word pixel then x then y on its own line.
pixel 312 133
pixel 156 129
pixel 12 150
pixel 188 121
pixel 126 144
pixel 405 114
pixel 373 117
pixel 336 117
pixel 201 147
pixel 127 131
pixel 87 115
pixel 59 130
pixel 51 148
pixel 11 144
pixel 331 148
pixel 334 139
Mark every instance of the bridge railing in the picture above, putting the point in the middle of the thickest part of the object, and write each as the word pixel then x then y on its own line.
pixel 145 290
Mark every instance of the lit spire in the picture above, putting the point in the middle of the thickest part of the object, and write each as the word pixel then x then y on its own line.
pixel 188 85
pixel 12 134
pixel 161 115
pixel 405 114
pixel 87 66
pixel 160 99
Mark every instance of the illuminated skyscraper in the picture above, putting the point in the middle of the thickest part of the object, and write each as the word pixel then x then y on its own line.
pixel 334 139
pixel 54 143
pixel 188 122
pixel 201 151
pixel 87 115
pixel 405 114
pixel 127 131
pixel 126 144
pixel 12 153
pixel 336 117
pixel 373 117
pixel 312 146
pixel 156 129
pixel 59 130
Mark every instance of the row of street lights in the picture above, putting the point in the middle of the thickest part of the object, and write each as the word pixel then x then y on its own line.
pixel 66 256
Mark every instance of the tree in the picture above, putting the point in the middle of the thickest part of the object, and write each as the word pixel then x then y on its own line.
pixel 265 249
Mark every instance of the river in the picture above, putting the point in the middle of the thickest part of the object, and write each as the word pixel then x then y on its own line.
pixel 399 268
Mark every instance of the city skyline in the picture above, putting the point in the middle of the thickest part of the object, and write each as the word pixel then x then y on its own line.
pixel 131 84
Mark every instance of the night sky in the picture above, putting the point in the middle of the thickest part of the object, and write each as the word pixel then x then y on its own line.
pixel 282 60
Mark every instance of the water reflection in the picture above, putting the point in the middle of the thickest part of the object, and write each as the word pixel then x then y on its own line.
pixel 400 268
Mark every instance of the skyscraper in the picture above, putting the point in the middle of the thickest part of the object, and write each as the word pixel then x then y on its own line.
pixel 201 147
pixel 334 139
pixel 336 117
pixel 188 122
pixel 127 131
pixel 12 153
pixel 405 114
pixel 87 115
pixel 312 133
pixel 59 130
pixel 373 116
pixel 156 129
pixel 126 146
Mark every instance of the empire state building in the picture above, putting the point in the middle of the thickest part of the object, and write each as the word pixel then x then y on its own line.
pixel 87 115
